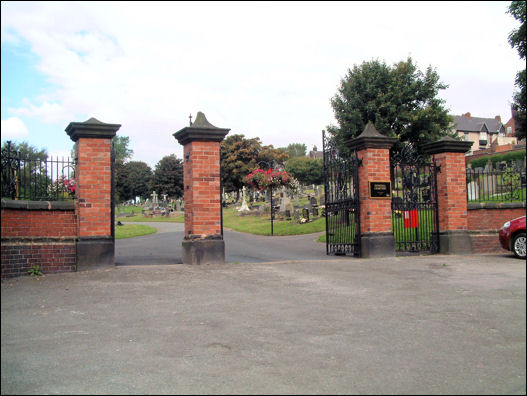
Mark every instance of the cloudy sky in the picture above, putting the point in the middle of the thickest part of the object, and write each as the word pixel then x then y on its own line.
pixel 265 70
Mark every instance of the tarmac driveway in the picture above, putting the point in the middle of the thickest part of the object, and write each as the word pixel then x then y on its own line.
pixel 164 247
pixel 405 325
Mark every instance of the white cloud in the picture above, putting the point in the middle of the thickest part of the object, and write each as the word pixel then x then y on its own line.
pixel 261 69
pixel 14 128
pixel 49 113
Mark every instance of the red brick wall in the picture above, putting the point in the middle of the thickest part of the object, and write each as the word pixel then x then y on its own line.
pixel 484 225
pixel 54 257
pixel 202 188
pixel 94 187
pixel 37 237
pixel 38 223
pixel 491 219
pixel 375 214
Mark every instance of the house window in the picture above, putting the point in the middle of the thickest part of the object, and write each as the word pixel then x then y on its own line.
pixel 509 130
pixel 482 139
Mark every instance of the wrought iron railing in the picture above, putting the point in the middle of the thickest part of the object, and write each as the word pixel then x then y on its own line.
pixel 36 179
pixel 506 184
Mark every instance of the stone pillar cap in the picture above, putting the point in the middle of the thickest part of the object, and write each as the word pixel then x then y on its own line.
pixel 92 128
pixel 370 138
pixel 447 144
pixel 201 130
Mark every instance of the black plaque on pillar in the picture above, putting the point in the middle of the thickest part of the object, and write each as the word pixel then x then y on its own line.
pixel 381 189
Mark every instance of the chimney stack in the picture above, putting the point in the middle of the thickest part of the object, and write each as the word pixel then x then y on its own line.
pixel 498 118
pixel 467 115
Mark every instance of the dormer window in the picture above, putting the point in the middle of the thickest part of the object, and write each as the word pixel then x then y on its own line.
pixel 483 138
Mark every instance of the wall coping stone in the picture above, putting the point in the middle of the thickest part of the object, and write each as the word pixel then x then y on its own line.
pixel 496 205
pixel 447 144
pixel 39 240
pixel 370 138
pixel 200 130
pixel 92 128
pixel 37 205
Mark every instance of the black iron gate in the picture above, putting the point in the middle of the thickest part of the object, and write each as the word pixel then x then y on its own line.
pixel 341 191
pixel 414 202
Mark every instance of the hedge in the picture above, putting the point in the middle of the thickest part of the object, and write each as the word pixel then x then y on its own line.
pixel 497 158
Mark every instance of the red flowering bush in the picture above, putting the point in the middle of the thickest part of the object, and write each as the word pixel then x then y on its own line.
pixel 62 186
pixel 272 178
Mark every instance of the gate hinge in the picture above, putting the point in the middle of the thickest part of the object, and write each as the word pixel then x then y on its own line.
pixel 438 168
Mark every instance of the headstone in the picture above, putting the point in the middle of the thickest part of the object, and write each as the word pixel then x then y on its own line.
pixel 178 205
pixel 305 214
pixel 489 184
pixel 473 191
pixel 244 208
pixel 154 198
pixel 309 206
pixel 296 215
pixel 285 202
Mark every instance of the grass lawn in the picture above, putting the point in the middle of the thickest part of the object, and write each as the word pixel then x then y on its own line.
pixel 258 225
pixel 261 225
pixel 133 230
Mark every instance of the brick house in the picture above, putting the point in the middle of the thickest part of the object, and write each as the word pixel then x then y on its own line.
pixel 483 132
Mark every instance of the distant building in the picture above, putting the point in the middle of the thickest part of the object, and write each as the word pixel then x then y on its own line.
pixel 484 132
pixel 315 153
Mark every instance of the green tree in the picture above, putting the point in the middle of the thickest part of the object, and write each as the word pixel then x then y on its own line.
pixel 168 176
pixel 27 151
pixel 401 100
pixel 295 150
pixel 306 170
pixel 120 147
pixel 517 39
pixel 30 175
pixel 240 156
pixel 133 178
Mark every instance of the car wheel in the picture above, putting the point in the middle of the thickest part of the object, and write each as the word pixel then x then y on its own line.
pixel 518 245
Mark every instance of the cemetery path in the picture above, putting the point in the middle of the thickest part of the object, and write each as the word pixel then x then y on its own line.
pixel 164 247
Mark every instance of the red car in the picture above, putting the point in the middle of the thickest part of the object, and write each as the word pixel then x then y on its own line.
pixel 512 236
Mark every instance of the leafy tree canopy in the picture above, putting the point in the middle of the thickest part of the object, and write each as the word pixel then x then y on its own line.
pixel 401 100
pixel 133 178
pixel 517 39
pixel 306 170
pixel 168 176
pixel 27 151
pixel 240 156
pixel 295 150
pixel 121 150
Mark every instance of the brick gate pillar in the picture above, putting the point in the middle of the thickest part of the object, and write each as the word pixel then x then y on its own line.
pixel 375 192
pixel 93 187
pixel 452 204
pixel 203 242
